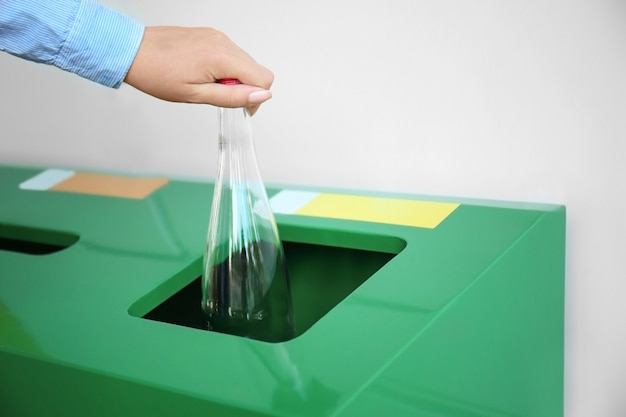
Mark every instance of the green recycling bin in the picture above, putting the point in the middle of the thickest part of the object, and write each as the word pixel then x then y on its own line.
pixel 404 305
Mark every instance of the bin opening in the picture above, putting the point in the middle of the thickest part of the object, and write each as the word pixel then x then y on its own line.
pixel 33 241
pixel 321 277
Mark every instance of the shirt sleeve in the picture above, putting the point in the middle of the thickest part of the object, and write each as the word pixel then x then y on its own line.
pixel 80 36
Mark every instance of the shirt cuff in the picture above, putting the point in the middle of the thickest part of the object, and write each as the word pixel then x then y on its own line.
pixel 101 45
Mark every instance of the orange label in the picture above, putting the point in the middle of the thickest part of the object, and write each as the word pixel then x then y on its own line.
pixel 95 184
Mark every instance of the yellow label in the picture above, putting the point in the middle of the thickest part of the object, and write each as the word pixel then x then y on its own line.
pixel 396 211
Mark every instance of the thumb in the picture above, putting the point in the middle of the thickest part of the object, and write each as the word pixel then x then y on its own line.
pixel 240 95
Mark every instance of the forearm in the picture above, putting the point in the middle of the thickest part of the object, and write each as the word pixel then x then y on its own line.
pixel 171 63
pixel 80 36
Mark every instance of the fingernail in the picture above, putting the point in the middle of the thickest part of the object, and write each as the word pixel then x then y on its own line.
pixel 258 97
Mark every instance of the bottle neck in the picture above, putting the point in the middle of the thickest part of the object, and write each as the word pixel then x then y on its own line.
pixel 237 155
pixel 234 127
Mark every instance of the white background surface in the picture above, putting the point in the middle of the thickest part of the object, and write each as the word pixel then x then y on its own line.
pixel 522 101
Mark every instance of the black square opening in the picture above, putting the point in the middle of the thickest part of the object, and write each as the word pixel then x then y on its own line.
pixel 321 277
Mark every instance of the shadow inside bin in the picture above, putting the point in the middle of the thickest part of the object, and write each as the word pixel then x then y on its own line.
pixel 33 241
pixel 321 277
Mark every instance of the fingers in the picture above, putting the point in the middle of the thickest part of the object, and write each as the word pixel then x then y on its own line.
pixel 256 75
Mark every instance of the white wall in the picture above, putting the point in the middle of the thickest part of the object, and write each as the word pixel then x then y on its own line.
pixel 490 99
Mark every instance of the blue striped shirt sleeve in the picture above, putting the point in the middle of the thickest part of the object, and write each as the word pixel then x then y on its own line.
pixel 80 36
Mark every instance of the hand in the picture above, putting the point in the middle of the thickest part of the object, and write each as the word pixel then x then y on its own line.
pixel 182 65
